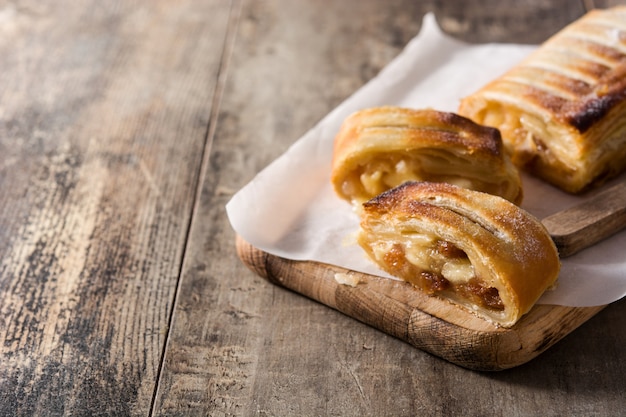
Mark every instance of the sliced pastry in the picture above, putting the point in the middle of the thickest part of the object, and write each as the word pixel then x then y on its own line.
pixel 562 111
pixel 474 249
pixel 379 148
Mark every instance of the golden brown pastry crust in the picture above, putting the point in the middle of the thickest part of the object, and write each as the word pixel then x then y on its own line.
pixel 478 250
pixel 562 111
pixel 379 148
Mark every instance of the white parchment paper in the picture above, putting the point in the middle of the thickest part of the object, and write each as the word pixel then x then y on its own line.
pixel 290 210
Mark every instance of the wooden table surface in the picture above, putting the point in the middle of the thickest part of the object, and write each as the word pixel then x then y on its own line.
pixel 125 129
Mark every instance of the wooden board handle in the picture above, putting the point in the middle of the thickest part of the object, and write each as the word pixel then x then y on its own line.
pixel 588 223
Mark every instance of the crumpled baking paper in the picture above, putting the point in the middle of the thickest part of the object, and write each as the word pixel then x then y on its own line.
pixel 290 210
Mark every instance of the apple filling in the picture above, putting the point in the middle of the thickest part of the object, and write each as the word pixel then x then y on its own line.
pixel 437 267
pixel 523 133
pixel 382 174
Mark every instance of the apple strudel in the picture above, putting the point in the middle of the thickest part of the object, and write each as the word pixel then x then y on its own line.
pixel 477 250
pixel 562 111
pixel 379 148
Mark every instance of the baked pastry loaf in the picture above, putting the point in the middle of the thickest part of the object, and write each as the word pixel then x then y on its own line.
pixel 562 111
pixel 477 250
pixel 379 148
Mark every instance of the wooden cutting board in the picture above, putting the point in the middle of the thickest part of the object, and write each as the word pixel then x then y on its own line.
pixel 428 323
pixel 435 325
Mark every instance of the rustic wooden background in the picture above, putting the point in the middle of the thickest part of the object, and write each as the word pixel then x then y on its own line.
pixel 126 126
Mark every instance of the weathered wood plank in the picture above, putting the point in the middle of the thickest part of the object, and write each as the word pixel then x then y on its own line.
pixel 104 110
pixel 602 4
pixel 528 21
pixel 292 63
pixel 241 346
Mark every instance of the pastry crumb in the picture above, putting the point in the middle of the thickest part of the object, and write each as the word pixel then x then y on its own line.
pixel 346 279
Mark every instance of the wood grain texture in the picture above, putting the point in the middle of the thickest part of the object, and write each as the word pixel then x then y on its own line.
pixel 111 113
pixel 600 216
pixel 506 20
pixel 104 114
pixel 428 323
pixel 602 4
pixel 243 346
pixel 284 76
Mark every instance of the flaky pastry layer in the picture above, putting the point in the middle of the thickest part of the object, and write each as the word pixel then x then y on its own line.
pixel 477 250
pixel 379 148
pixel 562 111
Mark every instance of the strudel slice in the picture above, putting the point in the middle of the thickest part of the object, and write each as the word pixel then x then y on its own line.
pixel 379 148
pixel 562 111
pixel 477 250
